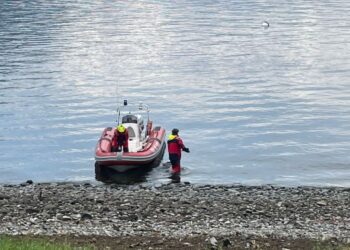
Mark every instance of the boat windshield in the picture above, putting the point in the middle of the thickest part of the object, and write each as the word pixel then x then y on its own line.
pixel 129 119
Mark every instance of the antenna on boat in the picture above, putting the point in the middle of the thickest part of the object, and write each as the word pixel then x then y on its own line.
pixel 117 102
pixel 144 106
pixel 118 116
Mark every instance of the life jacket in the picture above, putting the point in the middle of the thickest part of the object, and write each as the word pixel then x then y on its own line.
pixel 175 144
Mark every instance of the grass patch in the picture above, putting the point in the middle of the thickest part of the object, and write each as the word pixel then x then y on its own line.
pixel 65 242
pixel 27 243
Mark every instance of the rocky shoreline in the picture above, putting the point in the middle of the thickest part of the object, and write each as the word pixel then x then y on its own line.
pixel 175 211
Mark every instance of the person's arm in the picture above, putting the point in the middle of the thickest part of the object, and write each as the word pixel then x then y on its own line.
pixel 114 139
pixel 180 143
pixel 182 146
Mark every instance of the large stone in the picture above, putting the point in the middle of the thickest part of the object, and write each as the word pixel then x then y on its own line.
pixel 86 216
pixel 4 197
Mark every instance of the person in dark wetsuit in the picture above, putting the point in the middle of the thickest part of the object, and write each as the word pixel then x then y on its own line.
pixel 175 146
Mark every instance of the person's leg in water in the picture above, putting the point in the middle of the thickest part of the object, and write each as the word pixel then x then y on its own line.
pixel 176 168
pixel 175 163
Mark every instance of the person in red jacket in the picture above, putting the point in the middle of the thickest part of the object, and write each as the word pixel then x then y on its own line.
pixel 120 139
pixel 175 145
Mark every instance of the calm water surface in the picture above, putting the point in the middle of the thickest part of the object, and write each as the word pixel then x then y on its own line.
pixel 254 105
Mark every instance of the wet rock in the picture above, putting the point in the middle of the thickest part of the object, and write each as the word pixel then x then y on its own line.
pixel 66 218
pixel 322 203
pixel 4 197
pixel 32 210
pixel 86 216
pixel 226 243
pixel 187 244
pixel 213 242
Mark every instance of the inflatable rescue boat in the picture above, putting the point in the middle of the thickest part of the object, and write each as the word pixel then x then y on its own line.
pixel 145 145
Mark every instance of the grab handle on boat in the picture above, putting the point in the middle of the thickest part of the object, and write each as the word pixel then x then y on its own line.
pixel 154 139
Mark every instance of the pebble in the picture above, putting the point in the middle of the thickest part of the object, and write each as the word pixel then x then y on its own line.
pixel 226 243
pixel 213 242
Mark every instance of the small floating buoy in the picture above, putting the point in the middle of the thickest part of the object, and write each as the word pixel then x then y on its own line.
pixel 265 24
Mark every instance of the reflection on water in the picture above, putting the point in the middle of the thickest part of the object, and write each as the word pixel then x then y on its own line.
pixel 254 105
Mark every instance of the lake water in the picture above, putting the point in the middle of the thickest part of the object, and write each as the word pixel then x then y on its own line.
pixel 255 105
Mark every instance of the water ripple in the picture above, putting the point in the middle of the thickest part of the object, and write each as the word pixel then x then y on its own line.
pixel 254 105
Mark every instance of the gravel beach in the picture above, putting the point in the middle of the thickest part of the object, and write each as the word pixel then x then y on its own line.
pixel 175 211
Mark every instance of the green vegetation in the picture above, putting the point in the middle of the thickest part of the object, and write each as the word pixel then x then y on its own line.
pixel 329 246
pixel 27 243
pixel 66 242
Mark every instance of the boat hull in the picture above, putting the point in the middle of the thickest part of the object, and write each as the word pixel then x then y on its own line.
pixel 125 161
